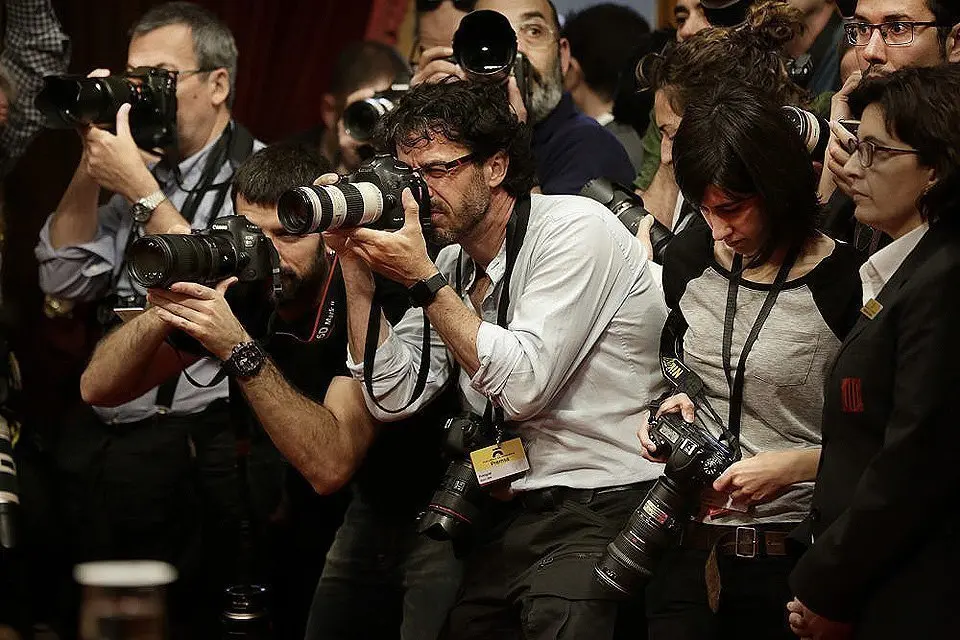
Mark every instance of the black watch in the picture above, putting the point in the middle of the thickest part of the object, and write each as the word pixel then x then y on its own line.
pixel 423 292
pixel 245 360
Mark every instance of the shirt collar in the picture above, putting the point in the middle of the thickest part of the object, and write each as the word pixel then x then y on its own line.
pixel 880 267
pixel 605 118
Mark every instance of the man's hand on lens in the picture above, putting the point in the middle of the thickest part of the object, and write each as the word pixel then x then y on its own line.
pixel 760 478
pixel 400 255
pixel 643 235
pixel 809 626
pixel 434 66
pixel 114 161
pixel 202 313
pixel 516 100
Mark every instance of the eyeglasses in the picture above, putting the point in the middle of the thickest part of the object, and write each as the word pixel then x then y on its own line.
pixel 536 34
pixel 190 72
pixel 438 170
pixel 896 34
pixel 430 5
pixel 867 149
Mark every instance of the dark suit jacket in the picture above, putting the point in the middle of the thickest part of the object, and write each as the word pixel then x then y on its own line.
pixel 886 517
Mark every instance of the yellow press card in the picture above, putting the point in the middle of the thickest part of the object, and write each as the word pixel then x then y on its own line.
pixel 499 462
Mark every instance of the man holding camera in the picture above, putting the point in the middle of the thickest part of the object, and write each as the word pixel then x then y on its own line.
pixel 546 320
pixel 119 505
pixel 570 148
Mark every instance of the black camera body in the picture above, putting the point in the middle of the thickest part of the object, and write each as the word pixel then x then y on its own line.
pixel 694 457
pixel 458 501
pixel 232 246
pixel 71 101
pixel 369 197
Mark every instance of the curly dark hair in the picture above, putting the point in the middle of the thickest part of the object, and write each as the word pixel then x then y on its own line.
pixel 736 138
pixel 752 51
pixel 475 115
pixel 920 107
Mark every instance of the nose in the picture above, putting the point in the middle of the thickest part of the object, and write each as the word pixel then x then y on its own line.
pixel 853 168
pixel 666 151
pixel 876 50
pixel 718 227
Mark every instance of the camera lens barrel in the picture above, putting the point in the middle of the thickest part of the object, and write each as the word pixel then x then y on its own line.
pixel 160 260
pixel 455 505
pixel 313 209
pixel 812 129
pixel 485 45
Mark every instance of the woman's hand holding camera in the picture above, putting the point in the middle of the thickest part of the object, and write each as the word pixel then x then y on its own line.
pixel 762 477
pixel 679 403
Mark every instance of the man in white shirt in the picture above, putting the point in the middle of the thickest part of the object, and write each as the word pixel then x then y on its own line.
pixel 568 356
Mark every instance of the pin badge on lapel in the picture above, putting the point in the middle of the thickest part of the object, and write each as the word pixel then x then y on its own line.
pixel 871 309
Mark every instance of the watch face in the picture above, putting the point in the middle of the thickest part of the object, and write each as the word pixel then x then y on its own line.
pixel 140 212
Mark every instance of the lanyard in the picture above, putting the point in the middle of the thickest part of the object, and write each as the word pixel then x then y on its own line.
pixel 736 381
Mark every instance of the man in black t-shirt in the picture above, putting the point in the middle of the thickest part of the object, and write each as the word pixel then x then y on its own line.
pixel 286 358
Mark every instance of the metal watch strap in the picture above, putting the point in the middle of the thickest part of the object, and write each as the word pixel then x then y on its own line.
pixel 423 292
pixel 143 208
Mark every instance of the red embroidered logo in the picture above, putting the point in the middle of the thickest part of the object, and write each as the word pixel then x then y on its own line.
pixel 851 397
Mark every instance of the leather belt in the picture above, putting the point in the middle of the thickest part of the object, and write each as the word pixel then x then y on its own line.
pixel 760 541
pixel 550 498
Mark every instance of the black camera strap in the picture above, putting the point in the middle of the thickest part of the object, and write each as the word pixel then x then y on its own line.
pixel 736 380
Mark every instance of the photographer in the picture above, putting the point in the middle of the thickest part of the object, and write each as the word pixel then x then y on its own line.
pixel 762 301
pixel 551 320
pixel 570 148
pixel 117 506
pixel 884 533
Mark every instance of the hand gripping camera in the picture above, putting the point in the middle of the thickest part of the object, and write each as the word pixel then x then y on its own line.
pixel 629 209
pixel 369 197
pixel 71 101
pixel 232 246
pixel 695 458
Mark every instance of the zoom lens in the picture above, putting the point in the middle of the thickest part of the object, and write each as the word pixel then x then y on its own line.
pixel 455 505
pixel 71 101
pixel 361 117
pixel 485 45
pixel 313 209
pixel 813 130
pixel 160 260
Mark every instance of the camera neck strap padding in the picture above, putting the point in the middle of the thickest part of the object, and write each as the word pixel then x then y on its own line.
pixel 516 231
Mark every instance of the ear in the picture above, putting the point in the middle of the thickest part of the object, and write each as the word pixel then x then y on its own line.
pixel 953 44
pixel 564 55
pixel 495 169
pixel 220 86
pixel 328 111
pixel 573 77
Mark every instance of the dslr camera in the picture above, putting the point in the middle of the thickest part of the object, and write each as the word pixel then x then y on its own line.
pixel 629 209
pixel 695 458
pixel 458 501
pixel 370 197
pixel 71 101
pixel 232 246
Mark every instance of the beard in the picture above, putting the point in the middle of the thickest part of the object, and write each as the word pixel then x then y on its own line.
pixel 460 223
pixel 545 91
pixel 300 288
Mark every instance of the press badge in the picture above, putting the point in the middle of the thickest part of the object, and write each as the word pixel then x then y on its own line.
pixel 506 460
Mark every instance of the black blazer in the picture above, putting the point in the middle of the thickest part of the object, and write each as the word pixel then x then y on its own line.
pixel 885 518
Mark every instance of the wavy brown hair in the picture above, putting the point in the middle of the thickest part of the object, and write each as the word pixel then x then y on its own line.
pixel 751 52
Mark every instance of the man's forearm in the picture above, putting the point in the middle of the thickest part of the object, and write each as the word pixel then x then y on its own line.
pixel 130 361
pixel 75 220
pixel 360 287
pixel 457 326
pixel 660 198
pixel 325 442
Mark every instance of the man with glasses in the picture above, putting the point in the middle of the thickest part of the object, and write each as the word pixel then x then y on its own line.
pixel 887 35
pixel 127 469
pixel 545 319
pixel 570 148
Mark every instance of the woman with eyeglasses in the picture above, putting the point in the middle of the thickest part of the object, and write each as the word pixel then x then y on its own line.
pixel 884 523
pixel 762 301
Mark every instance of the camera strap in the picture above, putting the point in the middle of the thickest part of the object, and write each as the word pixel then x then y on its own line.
pixel 736 380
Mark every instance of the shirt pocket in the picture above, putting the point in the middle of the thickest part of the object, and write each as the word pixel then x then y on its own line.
pixel 783 358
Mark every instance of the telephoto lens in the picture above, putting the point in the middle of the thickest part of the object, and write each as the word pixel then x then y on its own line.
pixel 629 209
pixel 245 615
pixel 455 505
pixel 369 197
pixel 9 489
pixel 361 117
pixel 232 246
pixel 813 130
pixel 485 45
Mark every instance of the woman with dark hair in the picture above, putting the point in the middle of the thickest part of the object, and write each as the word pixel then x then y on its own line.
pixel 884 522
pixel 762 301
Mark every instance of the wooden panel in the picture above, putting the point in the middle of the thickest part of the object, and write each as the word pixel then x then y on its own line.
pixel 665 13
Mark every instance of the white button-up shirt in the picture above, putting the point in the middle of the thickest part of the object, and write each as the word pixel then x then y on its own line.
pixel 877 271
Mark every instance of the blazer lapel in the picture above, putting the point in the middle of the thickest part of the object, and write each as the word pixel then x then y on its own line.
pixel 924 249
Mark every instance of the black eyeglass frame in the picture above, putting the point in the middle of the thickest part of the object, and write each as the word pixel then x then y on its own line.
pixel 866 159
pixel 883 28
pixel 446 168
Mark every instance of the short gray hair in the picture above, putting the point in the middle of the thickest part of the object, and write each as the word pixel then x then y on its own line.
pixel 213 43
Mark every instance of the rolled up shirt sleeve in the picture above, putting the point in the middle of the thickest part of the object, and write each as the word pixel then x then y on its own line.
pixel 85 271
pixel 396 367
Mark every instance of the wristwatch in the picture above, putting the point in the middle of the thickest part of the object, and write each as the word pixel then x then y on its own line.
pixel 423 292
pixel 143 208
pixel 245 360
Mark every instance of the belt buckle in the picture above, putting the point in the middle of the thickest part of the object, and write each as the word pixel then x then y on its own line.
pixel 751 541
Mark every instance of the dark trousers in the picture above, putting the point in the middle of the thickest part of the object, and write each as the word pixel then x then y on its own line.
pixel 753 598
pixel 531 573
pixel 383 580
